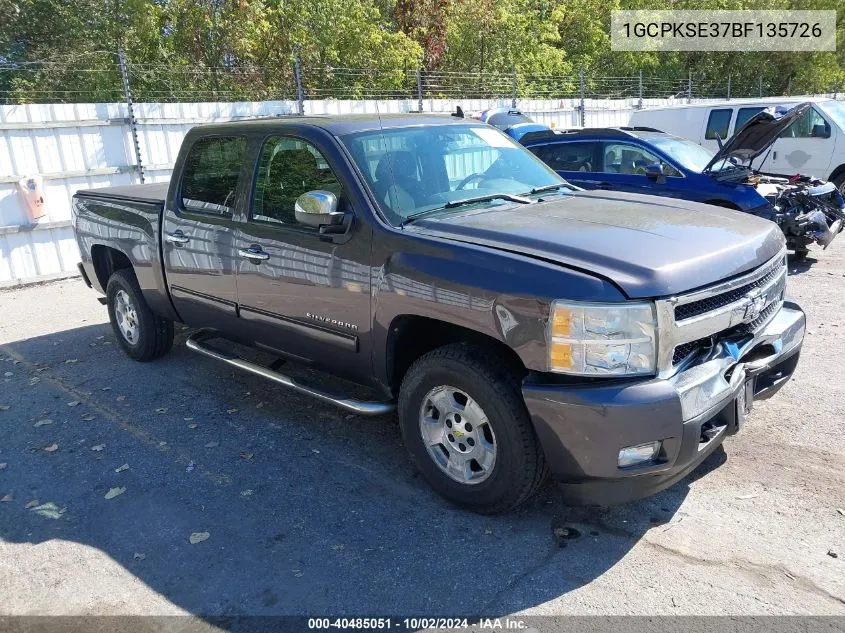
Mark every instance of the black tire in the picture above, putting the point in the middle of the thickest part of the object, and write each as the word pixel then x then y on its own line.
pixel 520 466
pixel 839 181
pixel 799 256
pixel 154 334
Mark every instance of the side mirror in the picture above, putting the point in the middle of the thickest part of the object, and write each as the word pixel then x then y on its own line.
pixel 317 209
pixel 820 131
pixel 654 172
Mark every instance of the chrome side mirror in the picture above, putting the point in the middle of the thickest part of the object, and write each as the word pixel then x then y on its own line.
pixel 317 208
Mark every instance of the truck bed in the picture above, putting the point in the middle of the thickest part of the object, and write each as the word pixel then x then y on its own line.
pixel 152 192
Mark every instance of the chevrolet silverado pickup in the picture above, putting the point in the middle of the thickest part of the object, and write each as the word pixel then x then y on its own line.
pixel 520 327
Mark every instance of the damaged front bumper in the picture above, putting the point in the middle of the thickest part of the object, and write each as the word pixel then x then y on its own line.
pixel 583 427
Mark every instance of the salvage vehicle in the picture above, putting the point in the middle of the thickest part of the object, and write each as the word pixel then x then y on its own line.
pixel 813 144
pixel 647 160
pixel 518 326
pixel 511 121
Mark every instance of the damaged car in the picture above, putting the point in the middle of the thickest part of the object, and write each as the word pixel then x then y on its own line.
pixel 649 161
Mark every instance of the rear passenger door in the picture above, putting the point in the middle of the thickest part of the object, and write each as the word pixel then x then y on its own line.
pixel 199 231
pixel 305 293
pixel 576 161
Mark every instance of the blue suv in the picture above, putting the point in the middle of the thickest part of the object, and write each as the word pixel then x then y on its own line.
pixel 641 160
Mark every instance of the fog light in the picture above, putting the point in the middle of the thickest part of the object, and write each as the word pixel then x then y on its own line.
pixel 632 455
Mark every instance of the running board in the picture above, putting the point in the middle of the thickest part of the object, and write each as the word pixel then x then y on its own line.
pixel 197 342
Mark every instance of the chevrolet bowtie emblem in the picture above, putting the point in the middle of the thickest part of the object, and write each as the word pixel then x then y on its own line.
pixel 757 301
pixel 458 434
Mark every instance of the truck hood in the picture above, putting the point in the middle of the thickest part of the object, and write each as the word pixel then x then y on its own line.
pixel 648 246
pixel 758 134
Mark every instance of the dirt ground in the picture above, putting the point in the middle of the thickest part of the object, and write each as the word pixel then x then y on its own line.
pixel 308 510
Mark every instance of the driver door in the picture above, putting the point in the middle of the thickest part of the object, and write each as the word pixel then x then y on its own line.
pixel 300 291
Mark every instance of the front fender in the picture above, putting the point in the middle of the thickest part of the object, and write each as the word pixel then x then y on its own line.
pixel 499 294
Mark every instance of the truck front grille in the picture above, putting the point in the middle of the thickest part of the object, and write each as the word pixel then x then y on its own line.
pixel 737 308
pixel 708 304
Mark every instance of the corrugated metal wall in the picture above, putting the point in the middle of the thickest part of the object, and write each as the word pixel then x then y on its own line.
pixel 88 145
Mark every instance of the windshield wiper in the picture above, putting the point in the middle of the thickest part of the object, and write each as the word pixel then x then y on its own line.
pixel 458 203
pixel 493 196
pixel 562 185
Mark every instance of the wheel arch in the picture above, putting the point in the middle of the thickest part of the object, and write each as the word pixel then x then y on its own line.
pixel 411 336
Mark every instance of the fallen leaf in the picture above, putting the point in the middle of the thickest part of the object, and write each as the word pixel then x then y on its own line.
pixel 190 467
pixel 247 455
pixel 71 360
pixel 246 493
pixel 3 465
pixel 260 405
pixel 841 511
pixel 49 510
pixel 42 423
pixel 139 556
pixel 212 444
pixel 231 411
pixel 9 374
pixel 488 531
pixel 161 410
pixel 114 492
pixel 32 504
pixel 88 417
pixel 34 380
pixel 6 498
pixel 198 537
pixel 832 554
pixel 188 419
pixel 98 447
pixel 314 450
pixel 337 547
pixel 120 469
pixel 120 398
pixel 105 389
pixel 751 496
pixel 52 448
pixel 74 403
pixel 4 407
pixel 40 369
pixel 100 338
pixel 192 426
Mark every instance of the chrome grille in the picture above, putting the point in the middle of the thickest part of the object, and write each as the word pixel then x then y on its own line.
pixel 708 304
pixel 737 307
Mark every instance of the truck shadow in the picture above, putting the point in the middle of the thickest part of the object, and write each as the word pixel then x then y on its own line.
pixel 308 510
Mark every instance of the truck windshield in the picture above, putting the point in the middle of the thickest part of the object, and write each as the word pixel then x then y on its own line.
pixel 412 170
pixel 690 155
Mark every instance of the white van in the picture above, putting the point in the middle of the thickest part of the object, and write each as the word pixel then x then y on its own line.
pixel 814 145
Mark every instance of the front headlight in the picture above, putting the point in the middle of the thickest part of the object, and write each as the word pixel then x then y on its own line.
pixel 596 339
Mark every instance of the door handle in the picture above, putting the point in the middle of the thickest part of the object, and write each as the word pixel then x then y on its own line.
pixel 253 253
pixel 604 185
pixel 177 238
pixel 774 155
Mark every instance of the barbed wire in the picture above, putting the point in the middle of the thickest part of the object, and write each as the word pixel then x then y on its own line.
pixel 95 76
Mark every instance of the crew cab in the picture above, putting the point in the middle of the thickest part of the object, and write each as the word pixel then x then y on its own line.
pixel 519 326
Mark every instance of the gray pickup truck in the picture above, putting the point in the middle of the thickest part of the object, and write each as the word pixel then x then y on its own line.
pixel 520 327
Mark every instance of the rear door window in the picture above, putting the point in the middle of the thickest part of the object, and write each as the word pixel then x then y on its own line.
pixel 568 156
pixel 211 174
pixel 718 123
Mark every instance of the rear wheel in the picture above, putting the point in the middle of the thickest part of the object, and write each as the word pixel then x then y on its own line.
pixel 464 422
pixel 142 334
pixel 839 181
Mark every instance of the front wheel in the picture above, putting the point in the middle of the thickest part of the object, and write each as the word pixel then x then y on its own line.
pixel 141 333
pixel 464 422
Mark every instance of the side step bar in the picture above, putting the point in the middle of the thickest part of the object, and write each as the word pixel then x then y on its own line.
pixel 197 342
